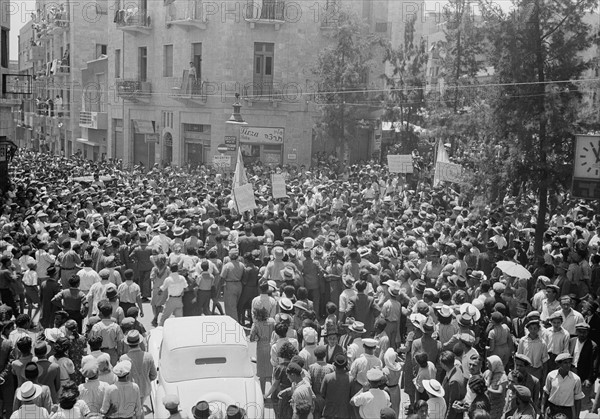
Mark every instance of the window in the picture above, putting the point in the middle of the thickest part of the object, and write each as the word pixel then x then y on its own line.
pixel 100 50
pixel 263 69
pixel 197 59
pixel 4 48
pixel 117 63
pixel 168 61
pixel 143 63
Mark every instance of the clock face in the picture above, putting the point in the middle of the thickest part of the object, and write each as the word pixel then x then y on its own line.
pixel 587 157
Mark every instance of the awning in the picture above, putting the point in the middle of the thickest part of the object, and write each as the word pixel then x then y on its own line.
pixel 143 127
pixel 83 140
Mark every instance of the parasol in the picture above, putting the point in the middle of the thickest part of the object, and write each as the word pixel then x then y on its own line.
pixel 513 269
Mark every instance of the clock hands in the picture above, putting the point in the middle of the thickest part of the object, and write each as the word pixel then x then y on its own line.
pixel 596 152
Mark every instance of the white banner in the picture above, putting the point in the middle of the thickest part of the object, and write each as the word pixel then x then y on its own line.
pixel 261 135
pixel 278 186
pixel 244 197
pixel 400 163
pixel 449 172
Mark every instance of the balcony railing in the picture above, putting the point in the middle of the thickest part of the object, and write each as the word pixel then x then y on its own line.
pixel 133 90
pixel 187 15
pixel 262 92
pixel 133 20
pixel 266 12
pixel 188 89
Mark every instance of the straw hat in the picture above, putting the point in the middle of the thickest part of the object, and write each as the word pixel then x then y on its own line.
pixel 434 388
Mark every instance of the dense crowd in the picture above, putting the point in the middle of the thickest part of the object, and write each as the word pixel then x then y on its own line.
pixel 355 287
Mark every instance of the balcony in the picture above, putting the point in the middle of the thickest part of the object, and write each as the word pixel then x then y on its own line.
pixel 134 90
pixel 267 12
pixel 134 21
pixel 58 26
pixel 262 93
pixel 93 120
pixel 187 16
pixel 185 90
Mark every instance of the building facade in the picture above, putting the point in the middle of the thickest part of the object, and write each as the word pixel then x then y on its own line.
pixel 174 68
pixel 7 101
pixel 66 35
pixel 93 116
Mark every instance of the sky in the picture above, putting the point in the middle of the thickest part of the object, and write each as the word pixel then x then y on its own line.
pixel 20 13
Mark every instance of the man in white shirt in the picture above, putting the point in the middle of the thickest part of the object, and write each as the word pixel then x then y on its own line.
pixel 87 275
pixel 570 316
pixel 562 392
pixel 174 285
pixel 371 400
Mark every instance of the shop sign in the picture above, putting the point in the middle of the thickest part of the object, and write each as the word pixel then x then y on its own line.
pixel 261 135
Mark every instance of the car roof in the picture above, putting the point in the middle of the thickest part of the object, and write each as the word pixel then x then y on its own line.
pixel 182 332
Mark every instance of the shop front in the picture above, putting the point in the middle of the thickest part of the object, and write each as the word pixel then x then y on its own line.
pixel 144 141
pixel 196 138
pixel 262 144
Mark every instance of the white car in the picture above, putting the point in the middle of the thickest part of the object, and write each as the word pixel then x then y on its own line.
pixel 204 358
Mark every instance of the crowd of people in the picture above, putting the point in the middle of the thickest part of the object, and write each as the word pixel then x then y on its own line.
pixel 367 299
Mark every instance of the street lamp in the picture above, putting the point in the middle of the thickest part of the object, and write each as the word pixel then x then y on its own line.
pixel 236 116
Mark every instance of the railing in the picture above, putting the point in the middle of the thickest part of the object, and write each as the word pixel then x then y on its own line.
pixel 192 88
pixel 187 11
pixel 132 18
pixel 266 11
pixel 132 89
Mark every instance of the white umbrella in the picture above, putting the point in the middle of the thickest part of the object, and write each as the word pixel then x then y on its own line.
pixel 513 269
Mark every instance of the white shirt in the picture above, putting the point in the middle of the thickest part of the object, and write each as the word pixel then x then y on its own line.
pixel 437 407
pixel 577 352
pixel 88 277
pixel 371 402
pixel 563 391
pixel 175 284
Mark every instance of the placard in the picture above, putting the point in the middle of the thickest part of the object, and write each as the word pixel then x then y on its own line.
pixel 244 197
pixel 222 160
pixel 449 172
pixel 400 163
pixel 261 135
pixel 278 186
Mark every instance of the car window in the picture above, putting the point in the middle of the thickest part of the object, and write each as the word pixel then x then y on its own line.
pixel 209 361
pixel 201 362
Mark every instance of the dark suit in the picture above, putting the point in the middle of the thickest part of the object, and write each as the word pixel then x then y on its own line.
pixel 335 389
pixel 50 377
pixel 588 363
pixel 337 350
pixel 518 326
pixel 363 309
pixel 7 391
pixel 455 387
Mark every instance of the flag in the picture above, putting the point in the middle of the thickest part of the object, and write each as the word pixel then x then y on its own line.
pixel 239 176
pixel 441 157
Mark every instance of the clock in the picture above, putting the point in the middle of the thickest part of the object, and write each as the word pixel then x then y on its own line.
pixel 587 157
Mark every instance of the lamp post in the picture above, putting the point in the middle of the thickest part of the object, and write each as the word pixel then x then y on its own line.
pixel 236 116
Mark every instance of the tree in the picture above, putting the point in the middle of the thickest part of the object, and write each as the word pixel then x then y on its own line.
pixel 342 70
pixel 536 53
pixel 406 99
pixel 464 50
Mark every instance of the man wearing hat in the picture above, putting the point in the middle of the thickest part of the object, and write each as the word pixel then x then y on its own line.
pixel 122 399
pixel 142 364
pixel 557 339
pixel 365 362
pixel 522 363
pixel 161 241
pixel 93 390
pixel 201 410
pixel 586 361
pixel 109 331
pixel 562 391
pixel 231 276
pixel 370 400
pixel 522 403
pixel 335 389
pixel 355 346
pixel 31 373
pixel 535 349
pixel 28 394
